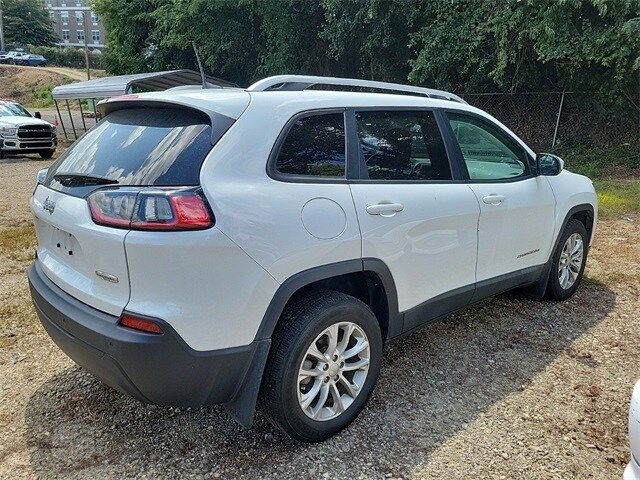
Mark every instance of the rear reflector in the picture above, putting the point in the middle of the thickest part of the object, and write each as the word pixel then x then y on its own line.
pixel 140 324
pixel 141 208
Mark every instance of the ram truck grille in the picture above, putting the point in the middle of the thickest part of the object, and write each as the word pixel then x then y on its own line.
pixel 34 131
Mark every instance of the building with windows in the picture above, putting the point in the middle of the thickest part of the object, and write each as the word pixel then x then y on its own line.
pixel 75 23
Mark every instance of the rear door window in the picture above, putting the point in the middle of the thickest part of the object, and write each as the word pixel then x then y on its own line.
pixel 314 146
pixel 402 146
pixel 141 146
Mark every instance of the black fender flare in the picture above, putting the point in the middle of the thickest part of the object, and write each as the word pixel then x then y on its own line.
pixel 540 286
pixel 242 406
pixel 294 283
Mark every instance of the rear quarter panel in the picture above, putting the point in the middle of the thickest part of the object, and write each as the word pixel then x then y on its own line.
pixel 265 216
pixel 201 283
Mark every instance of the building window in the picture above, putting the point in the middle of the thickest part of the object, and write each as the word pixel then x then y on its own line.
pixel 65 35
pixel 80 35
pixel 95 35
pixel 79 18
pixel 64 17
pixel 78 3
pixel 94 17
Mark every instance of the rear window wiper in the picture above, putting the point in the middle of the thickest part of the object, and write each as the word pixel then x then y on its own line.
pixel 79 180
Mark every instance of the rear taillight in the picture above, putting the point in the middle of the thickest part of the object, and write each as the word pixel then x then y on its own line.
pixel 150 209
pixel 140 324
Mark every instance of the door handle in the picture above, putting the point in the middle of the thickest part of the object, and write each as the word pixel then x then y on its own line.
pixel 493 199
pixel 385 209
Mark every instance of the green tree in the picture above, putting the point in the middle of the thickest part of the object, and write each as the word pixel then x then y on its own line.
pixel 370 38
pixel 27 22
pixel 463 45
pixel 527 45
pixel 292 44
pixel 130 27
pixel 227 34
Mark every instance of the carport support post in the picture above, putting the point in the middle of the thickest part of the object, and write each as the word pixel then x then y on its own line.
pixel 84 125
pixel 61 122
pixel 71 118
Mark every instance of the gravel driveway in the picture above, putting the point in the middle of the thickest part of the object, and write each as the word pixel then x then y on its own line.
pixel 513 388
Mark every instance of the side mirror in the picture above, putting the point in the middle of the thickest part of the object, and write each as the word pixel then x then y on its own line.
pixel 549 164
pixel 37 115
pixel 41 175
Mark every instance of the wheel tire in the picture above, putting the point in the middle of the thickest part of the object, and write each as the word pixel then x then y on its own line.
pixel 304 319
pixel 46 153
pixel 555 291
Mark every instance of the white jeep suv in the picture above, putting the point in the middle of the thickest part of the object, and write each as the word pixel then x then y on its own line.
pixel 235 245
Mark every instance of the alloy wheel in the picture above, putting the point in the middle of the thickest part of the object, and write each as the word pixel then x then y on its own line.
pixel 333 371
pixel 571 259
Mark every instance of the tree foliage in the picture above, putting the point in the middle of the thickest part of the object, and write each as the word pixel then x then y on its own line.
pixel 528 45
pixel 67 57
pixel 459 44
pixel 27 22
pixel 130 29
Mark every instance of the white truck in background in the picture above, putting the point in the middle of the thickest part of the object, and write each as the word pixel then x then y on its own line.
pixel 21 132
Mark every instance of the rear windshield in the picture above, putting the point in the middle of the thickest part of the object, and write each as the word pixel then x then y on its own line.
pixel 142 146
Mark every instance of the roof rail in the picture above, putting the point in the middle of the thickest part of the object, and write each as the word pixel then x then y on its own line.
pixel 302 82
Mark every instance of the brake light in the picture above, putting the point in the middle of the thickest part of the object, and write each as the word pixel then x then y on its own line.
pixel 150 209
pixel 123 97
pixel 140 324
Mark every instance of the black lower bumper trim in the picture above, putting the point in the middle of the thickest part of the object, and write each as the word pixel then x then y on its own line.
pixel 159 369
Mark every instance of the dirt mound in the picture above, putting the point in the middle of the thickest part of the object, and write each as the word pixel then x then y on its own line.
pixel 30 86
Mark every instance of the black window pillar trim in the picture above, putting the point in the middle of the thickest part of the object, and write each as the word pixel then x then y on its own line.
pixel 453 147
pixel 354 160
pixel 456 161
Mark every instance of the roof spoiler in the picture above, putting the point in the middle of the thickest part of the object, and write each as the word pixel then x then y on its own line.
pixel 221 122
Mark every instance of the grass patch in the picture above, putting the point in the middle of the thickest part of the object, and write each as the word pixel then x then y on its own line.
pixel 16 241
pixel 602 162
pixel 42 96
pixel 618 197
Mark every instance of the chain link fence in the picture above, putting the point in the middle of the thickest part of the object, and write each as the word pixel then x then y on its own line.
pixel 560 121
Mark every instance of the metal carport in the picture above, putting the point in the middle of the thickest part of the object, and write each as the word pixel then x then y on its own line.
pixel 105 87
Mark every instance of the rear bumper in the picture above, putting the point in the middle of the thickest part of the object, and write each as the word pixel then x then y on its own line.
pixel 160 369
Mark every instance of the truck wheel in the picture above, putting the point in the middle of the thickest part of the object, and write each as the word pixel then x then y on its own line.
pixel 323 365
pixel 569 260
pixel 46 153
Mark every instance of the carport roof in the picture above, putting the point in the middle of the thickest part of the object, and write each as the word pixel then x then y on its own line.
pixel 123 84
